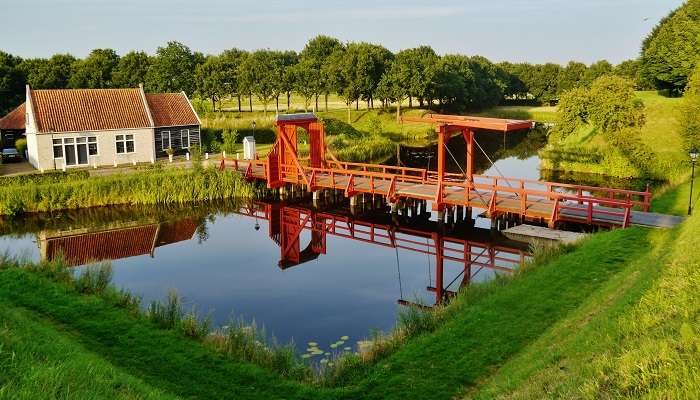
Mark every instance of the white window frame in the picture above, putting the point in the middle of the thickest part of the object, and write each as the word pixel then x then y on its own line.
pixel 125 139
pixel 59 145
pixel 186 133
pixel 163 135
pixel 93 140
pixel 73 141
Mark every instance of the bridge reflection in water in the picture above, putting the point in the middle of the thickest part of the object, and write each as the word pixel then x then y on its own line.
pixel 449 245
pixel 455 247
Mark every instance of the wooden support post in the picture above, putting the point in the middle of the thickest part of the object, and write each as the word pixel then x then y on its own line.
pixel 442 142
pixel 439 275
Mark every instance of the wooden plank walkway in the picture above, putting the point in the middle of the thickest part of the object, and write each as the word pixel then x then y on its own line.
pixel 531 234
pixel 530 204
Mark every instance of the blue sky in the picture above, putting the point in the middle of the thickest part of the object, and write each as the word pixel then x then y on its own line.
pixel 514 30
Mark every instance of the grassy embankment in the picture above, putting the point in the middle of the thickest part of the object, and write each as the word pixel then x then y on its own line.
pixel 615 299
pixel 636 337
pixel 58 191
pixel 587 152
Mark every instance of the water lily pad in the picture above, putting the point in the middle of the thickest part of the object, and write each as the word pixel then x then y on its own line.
pixel 348 348
pixel 306 356
pixel 326 354
pixel 330 364
pixel 318 353
pixel 313 344
pixel 344 337
pixel 334 345
pixel 324 361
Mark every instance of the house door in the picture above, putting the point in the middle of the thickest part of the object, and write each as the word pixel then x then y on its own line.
pixel 69 151
pixel 81 150
pixel 76 151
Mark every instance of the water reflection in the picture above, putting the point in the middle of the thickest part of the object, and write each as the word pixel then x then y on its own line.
pixel 307 273
pixel 472 249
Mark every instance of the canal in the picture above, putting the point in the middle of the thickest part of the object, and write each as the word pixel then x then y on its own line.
pixel 306 272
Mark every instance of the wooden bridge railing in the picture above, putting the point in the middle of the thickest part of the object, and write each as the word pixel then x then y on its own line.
pixel 484 191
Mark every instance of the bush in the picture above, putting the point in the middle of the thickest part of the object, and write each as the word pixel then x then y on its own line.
pixel 21 146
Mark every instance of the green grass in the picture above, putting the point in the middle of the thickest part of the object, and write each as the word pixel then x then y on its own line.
pixel 636 337
pixel 155 186
pixel 534 113
pixel 131 345
pixel 39 360
pixel 588 152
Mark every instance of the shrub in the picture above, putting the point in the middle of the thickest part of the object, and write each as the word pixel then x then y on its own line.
pixel 21 146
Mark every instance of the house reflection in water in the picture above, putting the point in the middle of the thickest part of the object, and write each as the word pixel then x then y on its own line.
pixel 82 246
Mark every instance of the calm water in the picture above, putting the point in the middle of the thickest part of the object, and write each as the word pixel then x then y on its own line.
pixel 305 272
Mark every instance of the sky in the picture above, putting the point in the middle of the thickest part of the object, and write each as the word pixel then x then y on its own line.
pixel 535 31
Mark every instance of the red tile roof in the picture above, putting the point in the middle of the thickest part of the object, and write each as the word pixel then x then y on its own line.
pixel 101 246
pixel 75 110
pixel 114 244
pixel 15 119
pixel 171 109
pixel 177 231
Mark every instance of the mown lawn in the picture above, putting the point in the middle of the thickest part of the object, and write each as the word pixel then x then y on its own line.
pixel 637 337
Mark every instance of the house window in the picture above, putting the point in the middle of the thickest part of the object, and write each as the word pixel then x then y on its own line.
pixel 57 148
pixel 92 145
pixel 125 144
pixel 185 138
pixel 165 140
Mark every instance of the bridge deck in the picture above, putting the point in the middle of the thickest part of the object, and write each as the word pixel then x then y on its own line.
pixel 532 200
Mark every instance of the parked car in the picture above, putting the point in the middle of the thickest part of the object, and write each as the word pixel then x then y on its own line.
pixel 11 154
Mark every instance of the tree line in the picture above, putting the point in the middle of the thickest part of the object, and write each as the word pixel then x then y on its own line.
pixel 354 71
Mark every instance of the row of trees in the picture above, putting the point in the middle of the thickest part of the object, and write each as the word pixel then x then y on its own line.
pixel 354 71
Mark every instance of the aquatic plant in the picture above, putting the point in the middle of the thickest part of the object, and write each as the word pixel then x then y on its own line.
pixel 246 341
pixel 94 279
pixel 169 186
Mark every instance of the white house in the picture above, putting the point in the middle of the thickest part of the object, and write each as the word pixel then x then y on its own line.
pixel 94 127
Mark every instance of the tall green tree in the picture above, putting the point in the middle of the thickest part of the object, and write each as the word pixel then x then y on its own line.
pixel 421 63
pixel 378 61
pixel 12 80
pixel 305 80
pixel 670 53
pixel 596 70
pixel 95 71
pixel 232 59
pixel 173 69
pixel 131 70
pixel 53 73
pixel 210 78
pixel 572 76
pixel 315 55
pixel 348 71
pixel 261 72
pixel 289 60
pixel 690 112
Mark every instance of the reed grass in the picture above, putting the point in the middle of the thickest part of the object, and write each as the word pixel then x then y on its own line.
pixel 154 186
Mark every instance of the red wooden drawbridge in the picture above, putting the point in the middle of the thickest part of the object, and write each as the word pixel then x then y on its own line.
pixel 498 196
